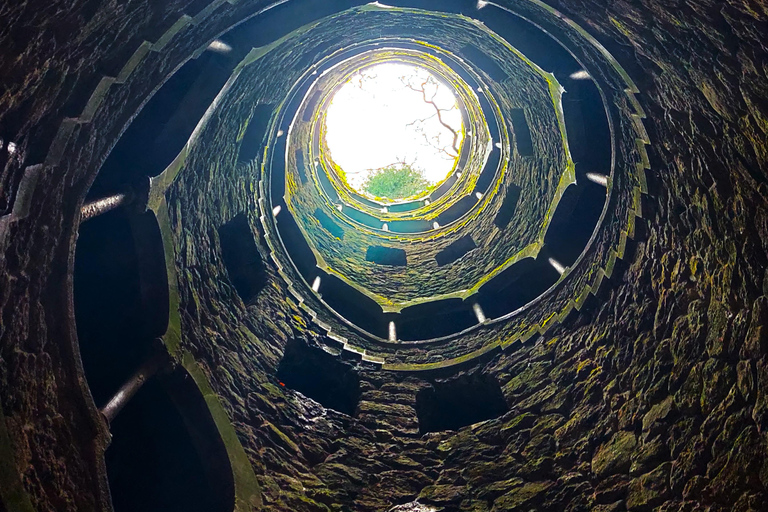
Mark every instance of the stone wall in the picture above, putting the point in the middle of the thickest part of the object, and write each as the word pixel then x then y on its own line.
pixel 656 397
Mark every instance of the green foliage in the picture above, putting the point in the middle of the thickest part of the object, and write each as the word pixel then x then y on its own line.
pixel 396 182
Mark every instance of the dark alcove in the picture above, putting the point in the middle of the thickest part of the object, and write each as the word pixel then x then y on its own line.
pixel 164 125
pixel 455 251
pixel 434 319
pixel 575 221
pixel 523 139
pixel 328 224
pixel 296 245
pixel 120 296
pixel 353 305
pixel 508 207
pixel 457 210
pixel 153 463
pixel 241 257
pixel 386 256
pixel 253 139
pixel 459 402
pixel 320 376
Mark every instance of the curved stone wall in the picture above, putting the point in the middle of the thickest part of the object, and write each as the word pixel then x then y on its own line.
pixel 653 395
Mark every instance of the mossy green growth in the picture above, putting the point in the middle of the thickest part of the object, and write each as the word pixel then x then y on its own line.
pixel 521 497
pixel 396 182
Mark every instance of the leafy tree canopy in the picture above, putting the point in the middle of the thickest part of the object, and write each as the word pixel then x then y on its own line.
pixel 396 182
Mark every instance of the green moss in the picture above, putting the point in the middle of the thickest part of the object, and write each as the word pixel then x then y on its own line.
pixel 172 336
pixel 520 497
pixel 282 438
pixel 650 489
pixel 528 380
pixel 396 182
pixel 615 455
pixel 519 422
pixel 442 493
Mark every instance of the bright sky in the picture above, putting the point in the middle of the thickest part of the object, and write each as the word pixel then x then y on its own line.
pixel 377 119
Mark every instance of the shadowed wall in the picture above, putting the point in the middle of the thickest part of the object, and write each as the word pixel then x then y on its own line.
pixel 656 397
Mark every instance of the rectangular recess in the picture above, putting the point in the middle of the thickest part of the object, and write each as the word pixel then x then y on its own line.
pixel 327 186
pixel 457 210
pixel 320 376
pixel 484 62
pixel 508 207
pixel 363 218
pixel 489 171
pixel 253 139
pixel 522 131
pixel 242 258
pixel 386 256
pixel 309 110
pixel 457 403
pixel 405 207
pixel 410 226
pixel 328 224
pixel 577 134
pixel 455 251
pixel 300 168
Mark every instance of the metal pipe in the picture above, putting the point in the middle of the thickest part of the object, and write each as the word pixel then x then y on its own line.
pixel 102 206
pixel 130 388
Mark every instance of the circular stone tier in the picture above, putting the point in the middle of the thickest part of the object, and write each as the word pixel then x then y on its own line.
pixel 372 251
pixel 540 211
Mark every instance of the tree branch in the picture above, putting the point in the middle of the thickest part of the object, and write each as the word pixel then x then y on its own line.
pixel 422 88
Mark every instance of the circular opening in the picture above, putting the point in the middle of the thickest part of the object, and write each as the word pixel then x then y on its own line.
pixel 394 131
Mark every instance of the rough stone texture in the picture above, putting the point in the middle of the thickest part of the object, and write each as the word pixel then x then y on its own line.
pixel 538 177
pixel 674 355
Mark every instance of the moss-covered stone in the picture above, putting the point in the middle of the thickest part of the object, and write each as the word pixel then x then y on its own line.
pixel 742 468
pixel 760 411
pixel 718 328
pixel 658 414
pixel 756 342
pixel 695 279
pixel 650 489
pixel 614 456
pixel 648 455
pixel 442 494
pixel 521 497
